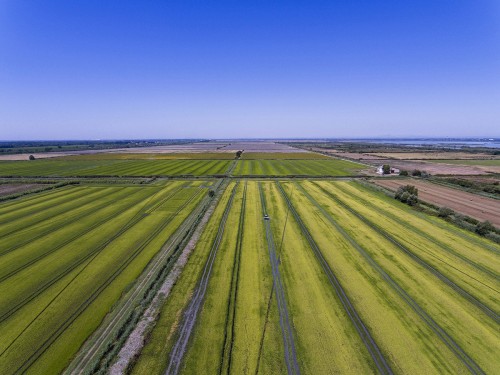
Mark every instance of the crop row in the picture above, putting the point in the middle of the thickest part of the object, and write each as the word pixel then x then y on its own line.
pixel 286 329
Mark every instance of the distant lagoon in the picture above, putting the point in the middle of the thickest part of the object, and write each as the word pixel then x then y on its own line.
pixel 448 142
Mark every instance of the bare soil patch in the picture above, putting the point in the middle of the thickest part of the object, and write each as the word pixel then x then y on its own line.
pixel 469 204
pixel 440 168
pixel 41 155
pixel 349 155
pixel 434 155
pixel 8 189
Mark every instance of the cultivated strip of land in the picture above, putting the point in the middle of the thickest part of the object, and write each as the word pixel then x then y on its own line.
pixel 371 345
pixel 286 330
pixel 190 315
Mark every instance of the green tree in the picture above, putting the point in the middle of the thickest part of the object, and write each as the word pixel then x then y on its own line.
pixel 407 194
pixel 445 212
pixel 386 169
pixel 484 228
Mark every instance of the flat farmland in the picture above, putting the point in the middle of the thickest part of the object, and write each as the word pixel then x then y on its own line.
pixel 282 167
pixel 66 258
pixel 346 281
pixel 283 276
pixel 481 162
pixel 238 328
pixel 470 204
pixel 113 167
pixel 117 167
pixel 435 155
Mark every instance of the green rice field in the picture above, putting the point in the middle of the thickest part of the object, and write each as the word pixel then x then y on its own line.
pixel 77 166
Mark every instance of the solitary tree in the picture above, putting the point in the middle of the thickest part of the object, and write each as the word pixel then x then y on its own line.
pixel 386 169
pixel 32 157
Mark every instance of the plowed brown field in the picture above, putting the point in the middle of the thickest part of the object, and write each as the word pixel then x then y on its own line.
pixel 473 205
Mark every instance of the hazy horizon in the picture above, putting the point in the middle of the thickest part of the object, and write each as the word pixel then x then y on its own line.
pixel 229 70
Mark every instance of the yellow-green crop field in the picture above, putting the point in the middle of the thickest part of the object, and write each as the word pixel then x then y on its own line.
pixel 370 286
pixel 66 258
pixel 182 165
pixel 305 276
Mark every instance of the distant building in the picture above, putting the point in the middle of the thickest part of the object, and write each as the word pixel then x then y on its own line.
pixel 380 170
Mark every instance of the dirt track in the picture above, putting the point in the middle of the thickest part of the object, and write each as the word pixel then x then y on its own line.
pixel 473 205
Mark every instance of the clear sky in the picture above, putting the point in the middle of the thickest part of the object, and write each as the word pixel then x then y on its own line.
pixel 94 69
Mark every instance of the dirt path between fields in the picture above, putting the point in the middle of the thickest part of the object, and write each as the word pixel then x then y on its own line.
pixel 473 205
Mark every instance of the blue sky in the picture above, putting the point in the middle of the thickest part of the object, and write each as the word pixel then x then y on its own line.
pixel 224 69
